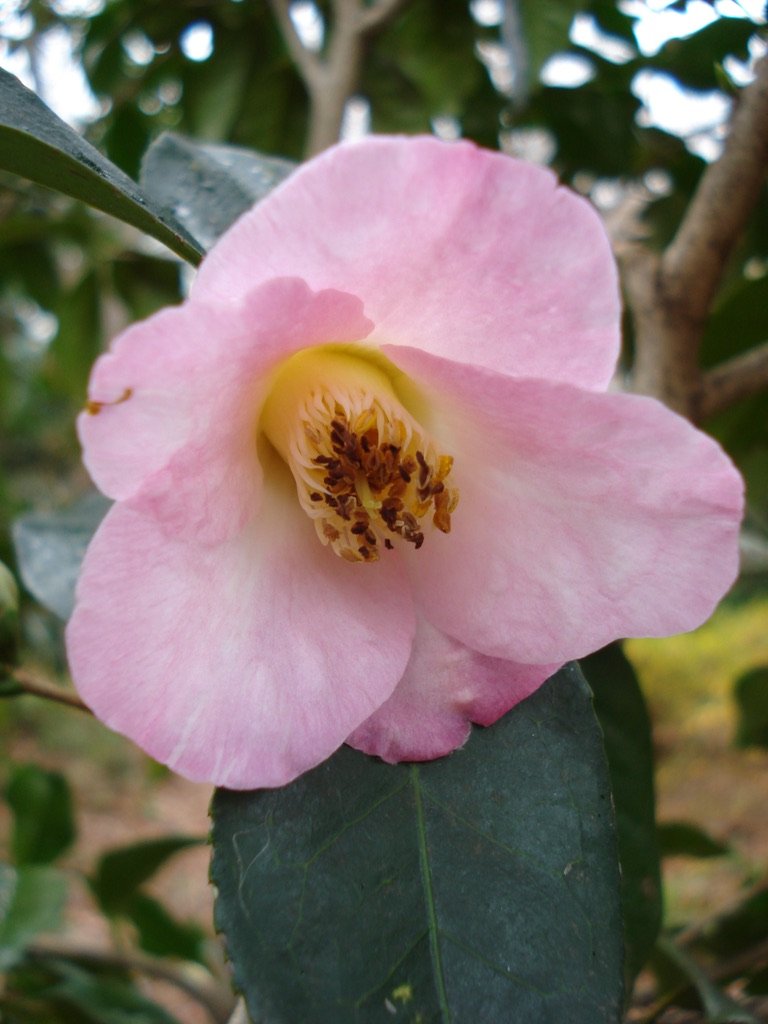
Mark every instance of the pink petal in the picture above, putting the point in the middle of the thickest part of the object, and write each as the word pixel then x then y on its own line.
pixel 244 664
pixel 583 517
pixel 181 393
pixel 465 253
pixel 445 687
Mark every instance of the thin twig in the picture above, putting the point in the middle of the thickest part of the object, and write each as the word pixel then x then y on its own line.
pixel 33 684
pixel 218 1002
pixel 670 297
pixel 734 380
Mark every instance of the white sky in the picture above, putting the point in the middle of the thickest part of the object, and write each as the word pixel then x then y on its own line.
pixel 694 116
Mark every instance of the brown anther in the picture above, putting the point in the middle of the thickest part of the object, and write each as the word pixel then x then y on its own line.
pixel 442 520
pixel 372 482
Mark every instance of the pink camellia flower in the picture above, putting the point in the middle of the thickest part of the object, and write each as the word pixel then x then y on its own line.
pixel 369 484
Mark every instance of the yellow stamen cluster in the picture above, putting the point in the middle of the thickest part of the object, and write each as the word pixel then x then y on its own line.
pixel 365 472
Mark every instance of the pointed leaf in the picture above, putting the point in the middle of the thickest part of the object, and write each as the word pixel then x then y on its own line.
pixel 161 934
pixel 50 549
pixel 621 710
pixel 681 839
pixel 480 887
pixel 120 872
pixel 38 145
pixel 208 186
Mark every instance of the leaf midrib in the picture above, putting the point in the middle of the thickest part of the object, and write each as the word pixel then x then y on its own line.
pixel 426 878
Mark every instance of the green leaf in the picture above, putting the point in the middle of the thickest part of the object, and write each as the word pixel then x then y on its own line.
pixel 43 825
pixel 36 144
pixel 480 887
pixel 98 998
pixel 208 186
pixel 31 901
pixel 751 694
pixel 623 715
pixel 681 839
pixel 160 934
pixel 120 872
pixel 50 549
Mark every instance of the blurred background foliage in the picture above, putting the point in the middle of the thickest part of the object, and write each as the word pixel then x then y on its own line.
pixel 564 82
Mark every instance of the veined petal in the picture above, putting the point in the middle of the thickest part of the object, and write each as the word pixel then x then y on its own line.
pixel 583 517
pixel 187 383
pixel 244 664
pixel 445 687
pixel 462 252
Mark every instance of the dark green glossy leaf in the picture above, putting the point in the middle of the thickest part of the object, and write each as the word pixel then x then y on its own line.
pixel 43 822
pixel 623 715
pixel 50 549
pixel 31 900
pixel 751 694
pixel 160 934
pixel 208 186
pixel 681 839
pixel 480 887
pixel 120 872
pixel 36 144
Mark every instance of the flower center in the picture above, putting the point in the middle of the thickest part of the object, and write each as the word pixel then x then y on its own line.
pixel 366 472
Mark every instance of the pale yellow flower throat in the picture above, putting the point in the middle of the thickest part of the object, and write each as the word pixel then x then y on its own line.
pixel 366 473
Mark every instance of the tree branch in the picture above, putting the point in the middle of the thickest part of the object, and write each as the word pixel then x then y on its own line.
pixel 332 79
pixel 670 297
pixel 728 191
pixel 734 380
pixel 32 684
